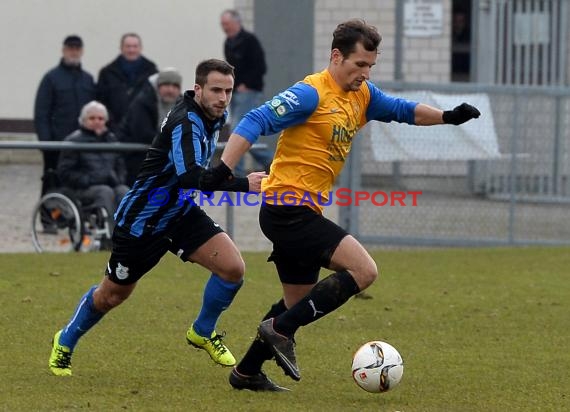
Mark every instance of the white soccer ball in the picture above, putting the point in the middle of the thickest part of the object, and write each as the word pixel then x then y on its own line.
pixel 377 367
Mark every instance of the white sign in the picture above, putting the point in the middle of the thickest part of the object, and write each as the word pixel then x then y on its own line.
pixel 532 28
pixel 470 141
pixel 423 18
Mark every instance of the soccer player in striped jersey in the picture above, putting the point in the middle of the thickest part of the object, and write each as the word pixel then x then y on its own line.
pixel 159 215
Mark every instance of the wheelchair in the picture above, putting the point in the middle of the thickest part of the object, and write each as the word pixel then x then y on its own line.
pixel 61 223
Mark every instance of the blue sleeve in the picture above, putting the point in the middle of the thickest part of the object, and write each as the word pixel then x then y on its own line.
pixel 289 108
pixel 386 108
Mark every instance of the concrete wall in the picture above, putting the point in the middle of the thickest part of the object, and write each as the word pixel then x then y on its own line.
pixel 180 33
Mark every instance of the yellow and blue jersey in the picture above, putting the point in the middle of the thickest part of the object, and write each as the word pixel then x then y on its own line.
pixel 317 121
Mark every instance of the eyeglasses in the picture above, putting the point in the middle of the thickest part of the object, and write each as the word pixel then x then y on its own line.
pixel 96 118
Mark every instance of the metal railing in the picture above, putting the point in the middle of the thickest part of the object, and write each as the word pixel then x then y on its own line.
pixel 111 147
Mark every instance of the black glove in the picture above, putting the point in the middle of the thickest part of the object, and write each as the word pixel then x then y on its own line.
pixel 211 179
pixel 460 114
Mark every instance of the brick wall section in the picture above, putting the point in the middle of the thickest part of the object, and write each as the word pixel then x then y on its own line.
pixel 379 13
pixel 424 59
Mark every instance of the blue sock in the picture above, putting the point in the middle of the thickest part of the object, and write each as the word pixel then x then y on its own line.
pixel 84 318
pixel 218 295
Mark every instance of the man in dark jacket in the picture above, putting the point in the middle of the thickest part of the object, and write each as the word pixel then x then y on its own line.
pixel 63 91
pixel 243 50
pixel 142 121
pixel 121 80
pixel 95 177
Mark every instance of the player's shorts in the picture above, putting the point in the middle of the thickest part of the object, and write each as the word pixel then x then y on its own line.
pixel 303 241
pixel 132 256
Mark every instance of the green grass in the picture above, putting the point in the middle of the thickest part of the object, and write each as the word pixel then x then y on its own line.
pixel 479 330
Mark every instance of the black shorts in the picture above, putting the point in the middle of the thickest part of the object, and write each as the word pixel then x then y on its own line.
pixel 132 256
pixel 303 241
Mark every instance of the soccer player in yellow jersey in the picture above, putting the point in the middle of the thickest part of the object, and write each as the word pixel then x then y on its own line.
pixel 318 118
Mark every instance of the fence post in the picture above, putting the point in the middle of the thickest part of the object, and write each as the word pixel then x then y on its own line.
pixel 513 169
pixel 557 136
pixel 344 181
pixel 230 215
pixel 355 182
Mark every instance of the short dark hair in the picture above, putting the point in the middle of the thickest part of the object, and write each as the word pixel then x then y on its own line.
pixel 212 65
pixel 233 13
pixel 130 34
pixel 351 32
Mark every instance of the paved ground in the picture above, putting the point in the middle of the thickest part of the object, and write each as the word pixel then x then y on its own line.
pixel 19 191
pixel 20 188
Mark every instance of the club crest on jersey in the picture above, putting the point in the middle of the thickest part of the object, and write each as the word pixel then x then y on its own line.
pixel 122 272
pixel 278 107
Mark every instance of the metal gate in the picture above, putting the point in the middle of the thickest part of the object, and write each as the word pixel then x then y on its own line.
pixel 522 42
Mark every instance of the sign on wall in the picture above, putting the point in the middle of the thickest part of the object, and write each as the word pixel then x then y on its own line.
pixel 423 18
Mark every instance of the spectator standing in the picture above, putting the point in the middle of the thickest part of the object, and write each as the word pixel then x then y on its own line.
pixel 63 91
pixel 145 114
pixel 96 178
pixel 243 50
pixel 122 79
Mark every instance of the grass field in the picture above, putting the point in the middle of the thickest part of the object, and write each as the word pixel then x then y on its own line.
pixel 479 330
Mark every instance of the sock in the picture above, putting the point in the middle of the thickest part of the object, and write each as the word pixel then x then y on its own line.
pixel 84 318
pixel 327 295
pixel 258 352
pixel 218 295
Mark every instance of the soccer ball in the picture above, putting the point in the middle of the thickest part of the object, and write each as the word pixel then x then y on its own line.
pixel 377 367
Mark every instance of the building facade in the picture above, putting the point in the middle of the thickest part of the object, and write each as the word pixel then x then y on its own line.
pixel 427 41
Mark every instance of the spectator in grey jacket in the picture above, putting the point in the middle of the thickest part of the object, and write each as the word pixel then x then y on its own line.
pixel 95 177
pixel 63 91
pixel 142 121
pixel 122 79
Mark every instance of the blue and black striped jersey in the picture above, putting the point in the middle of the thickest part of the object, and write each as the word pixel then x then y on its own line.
pixel 178 154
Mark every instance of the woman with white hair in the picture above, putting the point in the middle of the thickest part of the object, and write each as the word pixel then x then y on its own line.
pixel 96 178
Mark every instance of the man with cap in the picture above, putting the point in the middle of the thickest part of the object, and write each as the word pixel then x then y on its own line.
pixel 63 91
pixel 145 114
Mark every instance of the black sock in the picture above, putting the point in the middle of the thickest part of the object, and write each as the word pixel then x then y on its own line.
pixel 258 352
pixel 327 295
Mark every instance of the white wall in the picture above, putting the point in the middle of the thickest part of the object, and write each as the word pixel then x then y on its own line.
pixel 177 33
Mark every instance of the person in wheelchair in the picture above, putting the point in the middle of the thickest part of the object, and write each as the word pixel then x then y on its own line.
pixel 94 178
